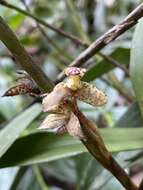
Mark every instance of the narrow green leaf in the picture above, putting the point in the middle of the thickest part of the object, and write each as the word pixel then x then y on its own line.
pixel 40 147
pixel 11 132
pixel 39 177
pixel 20 173
pixel 136 63
pixel 45 147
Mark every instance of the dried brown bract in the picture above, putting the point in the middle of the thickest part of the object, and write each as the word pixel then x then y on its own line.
pixel 58 103
pixel 24 85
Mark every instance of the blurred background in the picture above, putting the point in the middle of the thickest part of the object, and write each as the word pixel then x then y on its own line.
pixel 68 169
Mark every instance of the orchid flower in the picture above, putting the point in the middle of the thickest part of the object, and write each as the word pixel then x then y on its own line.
pixel 57 103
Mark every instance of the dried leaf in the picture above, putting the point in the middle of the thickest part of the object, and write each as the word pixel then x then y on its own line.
pixel 91 95
pixel 17 90
pixel 74 128
pixel 52 101
pixel 54 121
pixel 24 85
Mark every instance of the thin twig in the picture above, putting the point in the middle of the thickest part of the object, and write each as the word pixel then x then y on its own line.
pixel 75 39
pixel 84 35
pixel 8 37
pixel 138 156
pixel 106 38
pixel 44 23
pixel 119 86
pixel 115 63
pixel 63 54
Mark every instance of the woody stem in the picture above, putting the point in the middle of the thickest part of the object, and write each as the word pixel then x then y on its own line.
pixel 95 145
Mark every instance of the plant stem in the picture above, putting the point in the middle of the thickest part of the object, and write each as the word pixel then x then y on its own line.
pixel 113 80
pixel 77 22
pixel 40 21
pixel 115 83
pixel 115 63
pixel 106 38
pixel 63 53
pixel 84 42
pixel 84 35
pixel 10 40
pixel 97 148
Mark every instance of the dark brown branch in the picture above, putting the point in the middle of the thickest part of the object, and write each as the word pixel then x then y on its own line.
pixel 8 37
pixel 97 148
pixel 84 36
pixel 106 38
pixel 75 39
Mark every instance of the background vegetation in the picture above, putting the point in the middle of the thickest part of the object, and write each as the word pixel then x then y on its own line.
pixel 43 160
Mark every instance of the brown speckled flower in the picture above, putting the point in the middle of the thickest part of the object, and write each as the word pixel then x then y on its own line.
pixel 57 104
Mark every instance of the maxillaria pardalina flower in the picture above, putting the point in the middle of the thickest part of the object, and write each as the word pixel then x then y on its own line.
pixel 24 85
pixel 57 103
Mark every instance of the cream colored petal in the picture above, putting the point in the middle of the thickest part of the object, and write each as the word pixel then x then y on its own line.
pixel 74 128
pixel 53 121
pixel 91 95
pixel 53 99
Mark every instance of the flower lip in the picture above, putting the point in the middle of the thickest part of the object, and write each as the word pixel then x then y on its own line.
pixel 72 71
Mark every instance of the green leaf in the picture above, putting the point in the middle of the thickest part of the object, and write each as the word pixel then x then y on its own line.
pixel 16 20
pixel 11 132
pixel 40 147
pixel 45 147
pixel 20 173
pixel 26 180
pixel 102 67
pixel 136 63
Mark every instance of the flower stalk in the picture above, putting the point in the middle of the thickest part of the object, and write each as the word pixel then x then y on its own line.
pixel 95 145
